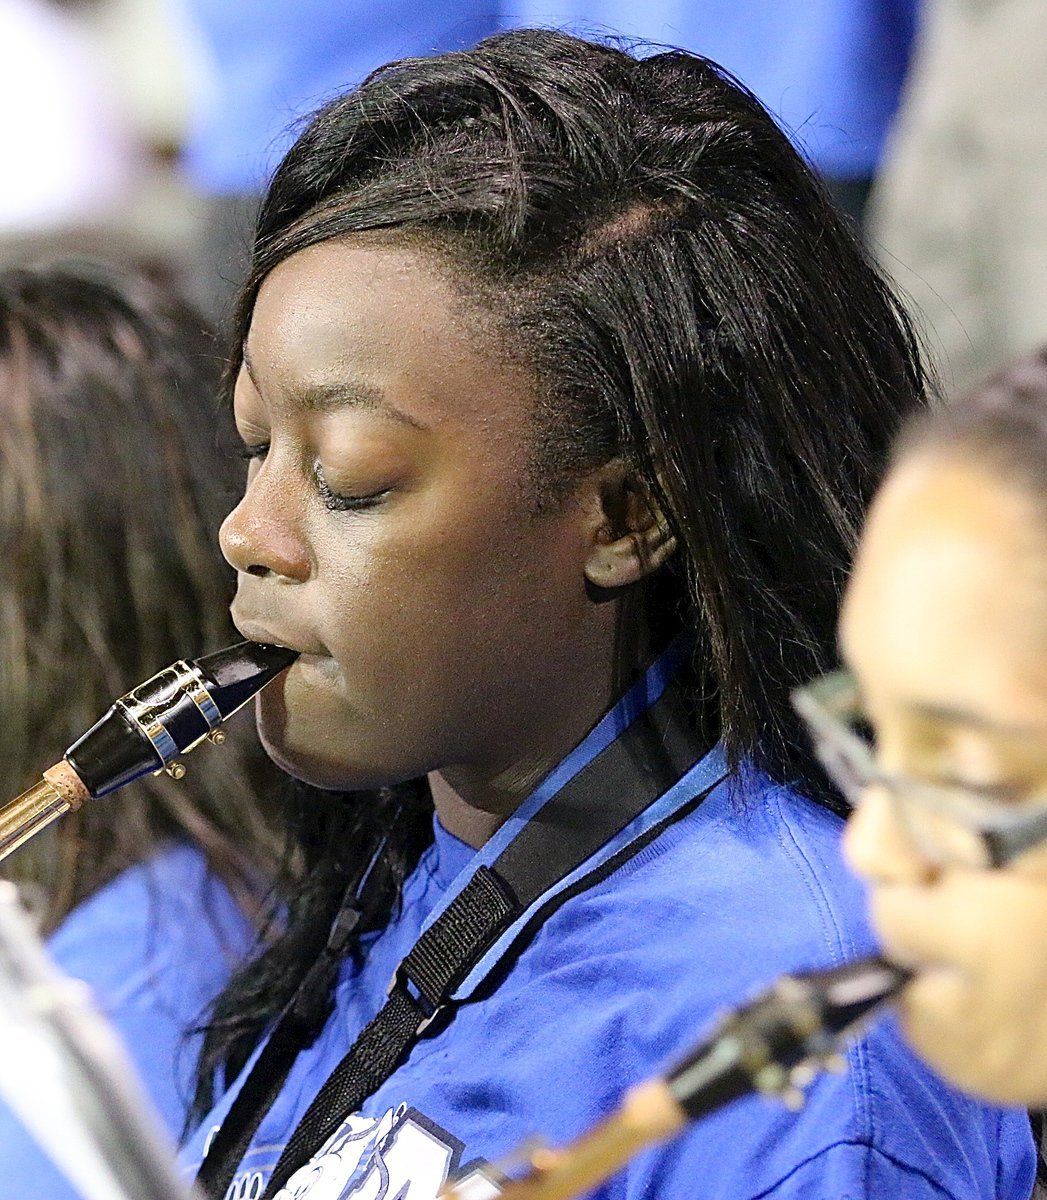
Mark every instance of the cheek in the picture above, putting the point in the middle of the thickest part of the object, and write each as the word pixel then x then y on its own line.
pixel 441 566
pixel 962 921
pixel 454 605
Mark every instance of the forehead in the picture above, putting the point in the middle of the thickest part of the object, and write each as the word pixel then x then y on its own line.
pixel 947 603
pixel 385 319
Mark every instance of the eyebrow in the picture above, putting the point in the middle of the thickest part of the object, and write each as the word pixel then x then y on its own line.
pixel 331 397
pixel 952 715
pixel 962 716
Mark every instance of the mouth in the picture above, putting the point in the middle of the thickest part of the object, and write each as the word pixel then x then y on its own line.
pixel 255 631
pixel 921 963
pixel 314 666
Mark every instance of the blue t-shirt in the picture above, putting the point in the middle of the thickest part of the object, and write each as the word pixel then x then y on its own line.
pixel 616 985
pixel 156 945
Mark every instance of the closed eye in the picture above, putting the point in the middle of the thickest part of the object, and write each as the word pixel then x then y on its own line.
pixel 341 502
pixel 250 453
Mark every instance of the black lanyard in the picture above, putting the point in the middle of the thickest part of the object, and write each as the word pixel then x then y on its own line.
pixel 607 794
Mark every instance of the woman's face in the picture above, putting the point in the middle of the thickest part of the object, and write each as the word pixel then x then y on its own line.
pixel 389 531
pixel 945 626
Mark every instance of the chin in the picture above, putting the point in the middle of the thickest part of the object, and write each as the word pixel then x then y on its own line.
pixel 314 767
pixel 325 743
pixel 298 742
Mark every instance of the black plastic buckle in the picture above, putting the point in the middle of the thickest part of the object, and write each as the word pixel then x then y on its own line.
pixel 429 1012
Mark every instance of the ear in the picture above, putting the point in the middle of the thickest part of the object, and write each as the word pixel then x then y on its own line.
pixel 632 538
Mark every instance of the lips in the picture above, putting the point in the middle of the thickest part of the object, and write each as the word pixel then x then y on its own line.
pixel 258 631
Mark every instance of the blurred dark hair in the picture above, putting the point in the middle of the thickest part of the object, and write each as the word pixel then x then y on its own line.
pixel 1000 425
pixel 116 468
pixel 686 296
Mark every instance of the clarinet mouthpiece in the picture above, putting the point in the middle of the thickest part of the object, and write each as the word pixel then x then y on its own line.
pixel 145 732
pixel 171 714
pixel 783 1039
pixel 238 673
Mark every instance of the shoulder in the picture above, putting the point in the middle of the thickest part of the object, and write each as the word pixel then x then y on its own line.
pixel 747 887
pixel 739 891
pixel 750 884
pixel 169 916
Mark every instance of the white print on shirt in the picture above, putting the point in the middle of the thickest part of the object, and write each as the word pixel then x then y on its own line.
pixel 399 1156
pixel 248 1186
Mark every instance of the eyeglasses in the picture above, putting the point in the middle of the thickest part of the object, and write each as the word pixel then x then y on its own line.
pixel 951 825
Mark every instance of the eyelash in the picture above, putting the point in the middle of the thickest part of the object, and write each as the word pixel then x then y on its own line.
pixel 333 501
pixel 337 502
pixel 997 793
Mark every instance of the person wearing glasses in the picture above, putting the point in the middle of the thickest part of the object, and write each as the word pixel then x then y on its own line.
pixel 937 733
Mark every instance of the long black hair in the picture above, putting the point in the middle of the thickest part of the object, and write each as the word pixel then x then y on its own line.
pixel 686 297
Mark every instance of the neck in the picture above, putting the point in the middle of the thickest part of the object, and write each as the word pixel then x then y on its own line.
pixel 473 809
pixel 473 802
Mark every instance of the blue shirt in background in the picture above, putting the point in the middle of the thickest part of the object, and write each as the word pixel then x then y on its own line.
pixel 830 70
pixel 274 62
pixel 156 945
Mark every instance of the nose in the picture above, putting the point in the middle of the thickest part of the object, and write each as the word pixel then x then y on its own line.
pixel 261 537
pixel 877 845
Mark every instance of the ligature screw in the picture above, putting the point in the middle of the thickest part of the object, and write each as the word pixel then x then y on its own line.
pixel 803 1074
pixel 836 1064
pixel 771 1079
pixel 176 770
pixel 216 737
